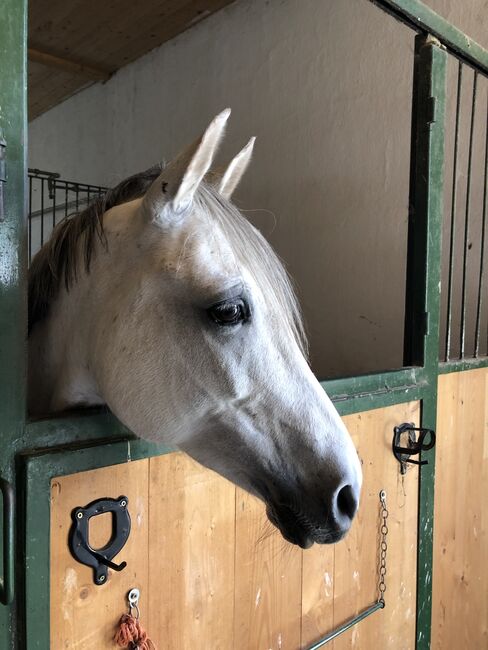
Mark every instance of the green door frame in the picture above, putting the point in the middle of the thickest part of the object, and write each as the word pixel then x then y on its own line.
pixel 13 303
pixel 38 451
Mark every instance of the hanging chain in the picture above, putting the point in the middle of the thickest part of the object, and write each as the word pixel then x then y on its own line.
pixel 383 549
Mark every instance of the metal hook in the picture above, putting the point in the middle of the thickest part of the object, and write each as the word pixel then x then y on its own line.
pixel 415 446
pixel 133 599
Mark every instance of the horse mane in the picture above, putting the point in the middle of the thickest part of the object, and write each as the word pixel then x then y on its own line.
pixel 58 260
pixel 76 236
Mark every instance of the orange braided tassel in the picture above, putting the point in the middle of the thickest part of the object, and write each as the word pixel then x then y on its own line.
pixel 131 635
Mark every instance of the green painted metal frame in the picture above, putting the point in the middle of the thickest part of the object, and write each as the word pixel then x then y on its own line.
pixel 421 18
pixel 13 303
pixel 40 450
pixel 422 314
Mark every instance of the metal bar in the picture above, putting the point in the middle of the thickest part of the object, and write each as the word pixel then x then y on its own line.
pixel 422 19
pixel 423 280
pixel 42 211
pixel 350 387
pixel 462 332
pixel 39 172
pixel 459 365
pixel 7 585
pixel 65 201
pixel 348 624
pixel 29 219
pixel 54 202
pixel 482 247
pixel 453 215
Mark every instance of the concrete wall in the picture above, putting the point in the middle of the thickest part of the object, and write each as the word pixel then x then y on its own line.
pixel 325 85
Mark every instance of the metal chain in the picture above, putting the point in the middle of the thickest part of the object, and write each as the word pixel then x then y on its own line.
pixel 383 549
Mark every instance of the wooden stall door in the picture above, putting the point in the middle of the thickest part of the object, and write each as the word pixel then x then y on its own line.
pixel 460 570
pixel 214 574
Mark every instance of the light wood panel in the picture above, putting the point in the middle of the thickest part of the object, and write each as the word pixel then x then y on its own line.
pixel 84 615
pixel 102 35
pixel 191 555
pixel 214 573
pixel 460 571
pixel 267 582
pixel 341 581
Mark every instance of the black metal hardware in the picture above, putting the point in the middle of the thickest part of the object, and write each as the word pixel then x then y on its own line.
pixel 8 578
pixel 414 445
pixel 3 174
pixel 100 559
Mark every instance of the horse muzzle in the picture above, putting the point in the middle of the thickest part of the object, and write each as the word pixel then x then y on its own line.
pixel 303 529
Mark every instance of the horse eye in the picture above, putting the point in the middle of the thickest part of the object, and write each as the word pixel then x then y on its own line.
pixel 231 312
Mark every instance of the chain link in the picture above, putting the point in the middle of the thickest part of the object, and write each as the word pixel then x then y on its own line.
pixel 383 549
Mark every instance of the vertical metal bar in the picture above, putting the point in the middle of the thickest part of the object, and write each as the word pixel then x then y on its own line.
pixel 482 245
pixel 29 219
pixel 462 333
pixel 66 200
pixel 42 211
pixel 53 186
pixel 453 215
pixel 423 281
pixel 77 190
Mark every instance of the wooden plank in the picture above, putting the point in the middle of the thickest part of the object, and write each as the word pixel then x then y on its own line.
pixel 350 586
pixel 84 616
pixel 68 65
pixel 191 555
pixel 267 582
pixel 460 576
pixel 317 593
pixel 104 35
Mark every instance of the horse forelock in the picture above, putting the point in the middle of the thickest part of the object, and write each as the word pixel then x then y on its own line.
pixel 72 242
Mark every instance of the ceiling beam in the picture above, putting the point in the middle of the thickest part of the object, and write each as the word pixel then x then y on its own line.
pixel 68 65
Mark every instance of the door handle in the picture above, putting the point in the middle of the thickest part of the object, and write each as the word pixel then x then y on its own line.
pixel 7 580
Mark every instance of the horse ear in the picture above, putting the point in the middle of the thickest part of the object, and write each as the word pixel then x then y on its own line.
pixel 235 171
pixel 172 192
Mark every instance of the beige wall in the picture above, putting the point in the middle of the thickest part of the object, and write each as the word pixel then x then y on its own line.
pixel 325 85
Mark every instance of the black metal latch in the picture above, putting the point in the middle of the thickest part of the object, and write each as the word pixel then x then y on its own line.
pixel 100 559
pixel 3 174
pixel 414 445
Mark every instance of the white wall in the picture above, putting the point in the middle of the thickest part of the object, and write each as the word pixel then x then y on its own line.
pixel 325 86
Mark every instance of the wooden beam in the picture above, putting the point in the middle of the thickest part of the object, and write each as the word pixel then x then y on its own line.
pixel 72 67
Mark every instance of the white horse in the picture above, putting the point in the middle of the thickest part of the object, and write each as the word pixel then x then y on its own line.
pixel 164 303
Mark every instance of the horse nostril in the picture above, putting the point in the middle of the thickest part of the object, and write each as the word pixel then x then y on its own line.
pixel 347 502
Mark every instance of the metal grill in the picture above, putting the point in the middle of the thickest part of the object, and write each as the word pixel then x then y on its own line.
pixel 464 321
pixel 51 199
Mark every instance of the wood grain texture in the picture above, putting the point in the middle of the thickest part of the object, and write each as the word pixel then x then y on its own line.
pixel 344 578
pixel 83 615
pixel 267 582
pixel 460 570
pixel 214 573
pixel 102 35
pixel 191 555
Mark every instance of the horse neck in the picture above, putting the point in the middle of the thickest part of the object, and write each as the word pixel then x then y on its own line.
pixel 59 370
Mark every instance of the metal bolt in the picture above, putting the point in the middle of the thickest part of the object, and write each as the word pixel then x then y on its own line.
pixel 123 503
pixel 79 515
pixel 101 579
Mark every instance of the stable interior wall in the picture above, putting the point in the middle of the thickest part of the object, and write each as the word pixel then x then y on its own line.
pixel 326 88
